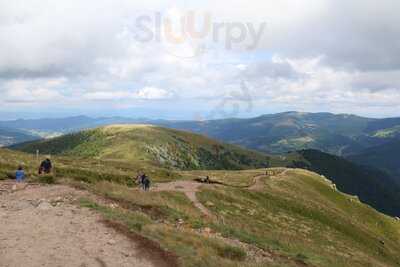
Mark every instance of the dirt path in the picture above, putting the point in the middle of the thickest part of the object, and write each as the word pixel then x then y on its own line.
pixel 258 184
pixel 189 188
pixel 40 226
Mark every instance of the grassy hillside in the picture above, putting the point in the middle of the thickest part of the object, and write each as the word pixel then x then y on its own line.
pixel 299 213
pixel 151 144
pixel 372 186
pixel 81 169
pixel 294 218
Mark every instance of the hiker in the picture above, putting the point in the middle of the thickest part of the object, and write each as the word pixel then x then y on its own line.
pixel 20 175
pixel 143 181
pixel 139 178
pixel 146 183
pixel 45 166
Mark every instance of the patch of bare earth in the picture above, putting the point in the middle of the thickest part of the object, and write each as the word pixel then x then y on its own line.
pixel 41 226
pixel 258 184
pixel 189 188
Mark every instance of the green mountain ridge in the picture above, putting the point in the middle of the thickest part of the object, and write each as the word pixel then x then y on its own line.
pixel 164 147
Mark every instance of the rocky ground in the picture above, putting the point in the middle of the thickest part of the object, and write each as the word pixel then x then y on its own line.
pixel 42 226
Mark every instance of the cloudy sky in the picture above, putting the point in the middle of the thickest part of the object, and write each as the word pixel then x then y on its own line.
pixel 198 59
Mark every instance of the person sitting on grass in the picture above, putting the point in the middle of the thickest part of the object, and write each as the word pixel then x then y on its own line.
pixel 20 175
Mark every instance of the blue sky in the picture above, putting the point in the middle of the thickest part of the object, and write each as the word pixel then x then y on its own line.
pixel 71 57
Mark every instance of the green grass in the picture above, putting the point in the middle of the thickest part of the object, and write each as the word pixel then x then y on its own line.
pixel 83 169
pixel 298 217
pixel 303 215
pixel 133 220
pixel 295 218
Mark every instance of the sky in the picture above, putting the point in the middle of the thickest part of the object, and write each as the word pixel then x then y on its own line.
pixel 198 59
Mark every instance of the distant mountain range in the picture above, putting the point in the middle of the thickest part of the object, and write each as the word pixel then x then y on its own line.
pixel 364 140
pixel 277 133
pixel 64 125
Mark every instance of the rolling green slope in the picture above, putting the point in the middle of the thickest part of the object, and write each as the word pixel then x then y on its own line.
pixel 371 185
pixel 299 212
pixel 145 143
pixel 292 217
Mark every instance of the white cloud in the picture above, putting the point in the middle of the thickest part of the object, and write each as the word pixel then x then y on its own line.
pixel 327 54
pixel 22 91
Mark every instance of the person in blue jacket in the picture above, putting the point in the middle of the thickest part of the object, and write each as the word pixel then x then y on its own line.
pixel 20 175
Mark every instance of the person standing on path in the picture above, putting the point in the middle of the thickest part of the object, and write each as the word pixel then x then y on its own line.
pixel 20 175
pixel 146 183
